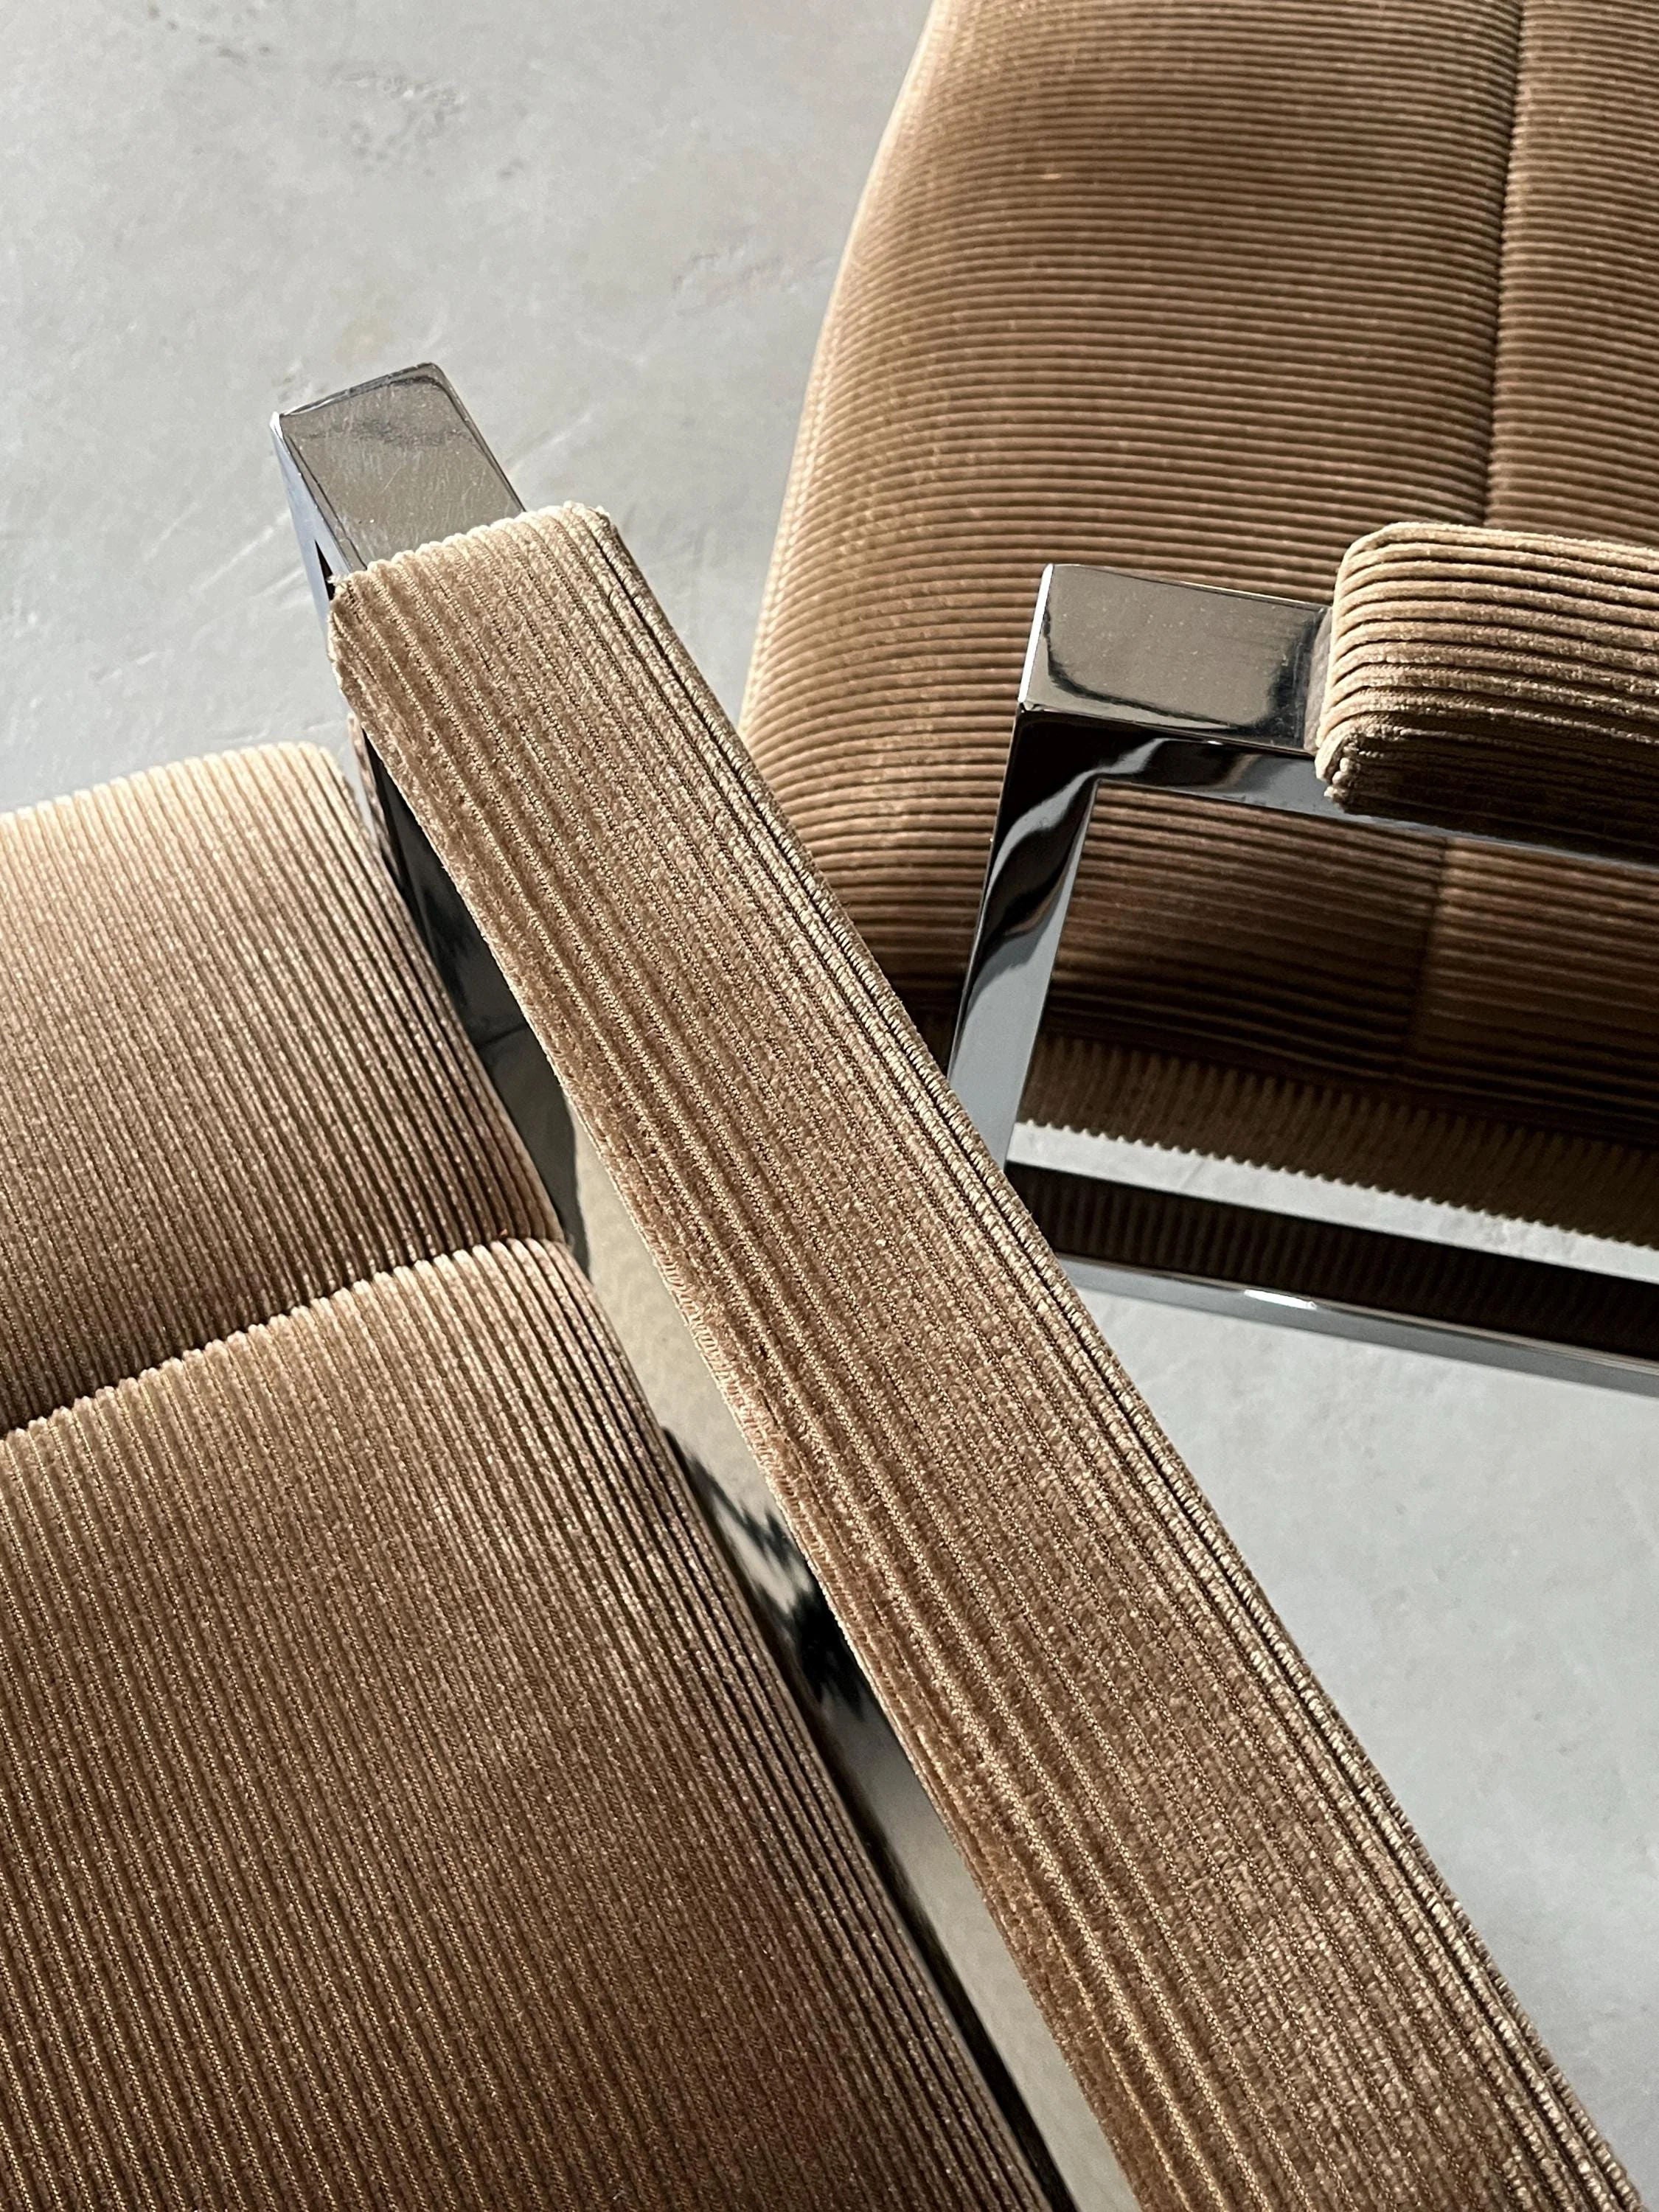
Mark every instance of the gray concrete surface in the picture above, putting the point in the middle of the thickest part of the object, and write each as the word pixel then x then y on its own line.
pixel 1471 1561
pixel 617 228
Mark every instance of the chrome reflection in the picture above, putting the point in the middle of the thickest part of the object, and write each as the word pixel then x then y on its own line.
pixel 1208 695
pixel 368 472
pixel 1168 687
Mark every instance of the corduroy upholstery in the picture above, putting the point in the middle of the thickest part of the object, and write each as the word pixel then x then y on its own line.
pixel 229 1081
pixel 1264 1988
pixel 1210 289
pixel 398 1810
pixel 1494 680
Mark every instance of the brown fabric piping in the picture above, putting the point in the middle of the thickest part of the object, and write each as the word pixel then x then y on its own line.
pixel 229 1080
pixel 1497 680
pixel 398 1810
pixel 1267 1992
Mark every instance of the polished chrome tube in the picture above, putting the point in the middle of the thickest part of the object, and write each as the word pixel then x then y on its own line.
pixel 1172 687
pixel 1212 694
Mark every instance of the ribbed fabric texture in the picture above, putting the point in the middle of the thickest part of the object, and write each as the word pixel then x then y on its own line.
pixel 1575 441
pixel 1485 679
pixel 1266 1991
pixel 1129 276
pixel 229 1081
pixel 1207 291
pixel 396 1810
pixel 1352 1133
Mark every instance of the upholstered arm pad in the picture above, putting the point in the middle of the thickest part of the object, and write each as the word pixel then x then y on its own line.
pixel 1488 680
pixel 1267 1992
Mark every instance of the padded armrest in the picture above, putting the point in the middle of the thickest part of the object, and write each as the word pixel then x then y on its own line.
pixel 1490 681
pixel 1266 1991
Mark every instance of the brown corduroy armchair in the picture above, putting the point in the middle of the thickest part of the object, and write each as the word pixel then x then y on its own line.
pixel 407 1797
pixel 1215 295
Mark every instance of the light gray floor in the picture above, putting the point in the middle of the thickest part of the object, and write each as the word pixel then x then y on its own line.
pixel 617 227
pixel 1470 1559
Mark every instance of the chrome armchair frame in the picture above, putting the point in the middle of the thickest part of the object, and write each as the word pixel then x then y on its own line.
pixel 1212 694
pixel 369 472
pixel 398 463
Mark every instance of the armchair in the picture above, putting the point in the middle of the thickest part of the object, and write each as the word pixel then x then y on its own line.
pixel 1502 685
pixel 1169 1826
pixel 422 1782
pixel 1213 294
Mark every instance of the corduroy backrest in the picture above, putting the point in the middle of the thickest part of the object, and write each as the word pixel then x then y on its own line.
pixel 1208 289
pixel 229 1080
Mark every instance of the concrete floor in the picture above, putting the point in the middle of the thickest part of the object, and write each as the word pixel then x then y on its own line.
pixel 617 229
pixel 614 227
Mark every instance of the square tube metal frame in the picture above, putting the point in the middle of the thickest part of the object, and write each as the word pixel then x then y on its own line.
pixel 1213 696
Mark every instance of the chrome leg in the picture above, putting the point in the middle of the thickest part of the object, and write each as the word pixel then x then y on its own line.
pixel 1048 797
pixel 1371 1285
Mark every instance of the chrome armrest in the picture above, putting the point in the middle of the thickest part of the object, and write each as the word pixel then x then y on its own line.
pixel 1176 688
pixel 1127 679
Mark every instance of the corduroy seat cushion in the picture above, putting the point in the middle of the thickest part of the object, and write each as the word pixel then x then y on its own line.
pixel 397 1809
pixel 229 1081
pixel 1209 288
